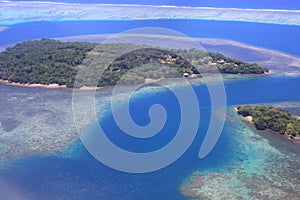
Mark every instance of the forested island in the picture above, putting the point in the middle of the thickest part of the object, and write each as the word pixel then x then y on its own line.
pixel 275 119
pixel 49 61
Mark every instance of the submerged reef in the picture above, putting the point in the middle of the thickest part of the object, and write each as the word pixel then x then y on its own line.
pixel 202 186
pixel 40 121
pixel 259 169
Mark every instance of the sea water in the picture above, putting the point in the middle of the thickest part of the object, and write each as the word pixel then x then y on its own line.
pixel 80 176
pixel 270 36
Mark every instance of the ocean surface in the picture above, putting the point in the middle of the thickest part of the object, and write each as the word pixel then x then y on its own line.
pixel 77 175
pixel 270 36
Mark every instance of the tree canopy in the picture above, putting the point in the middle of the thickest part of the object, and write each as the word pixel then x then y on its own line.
pixel 48 61
pixel 275 119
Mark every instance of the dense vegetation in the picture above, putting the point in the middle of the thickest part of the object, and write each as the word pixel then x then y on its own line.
pixel 49 61
pixel 276 119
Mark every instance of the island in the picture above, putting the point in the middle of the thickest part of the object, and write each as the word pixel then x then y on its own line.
pixel 48 61
pixel 274 119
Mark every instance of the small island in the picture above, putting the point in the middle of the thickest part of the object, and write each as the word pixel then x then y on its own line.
pixel 48 61
pixel 274 119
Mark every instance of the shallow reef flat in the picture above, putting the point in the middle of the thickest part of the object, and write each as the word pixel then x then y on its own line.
pixel 277 62
pixel 34 121
pixel 261 168
pixel 37 120
pixel 40 121
pixel 292 107
pixel 20 12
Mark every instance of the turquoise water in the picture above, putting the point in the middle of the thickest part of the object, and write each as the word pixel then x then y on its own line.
pixel 77 175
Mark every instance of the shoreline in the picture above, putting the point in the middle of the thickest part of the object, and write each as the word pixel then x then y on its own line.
pixel 57 86
pixel 146 81
pixel 46 86
pixel 36 85
pixel 248 118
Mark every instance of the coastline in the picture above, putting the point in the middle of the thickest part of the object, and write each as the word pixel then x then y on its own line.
pixel 52 86
pixel 46 86
pixel 57 86
pixel 248 118
pixel 193 81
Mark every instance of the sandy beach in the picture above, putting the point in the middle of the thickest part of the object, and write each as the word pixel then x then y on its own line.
pixel 248 118
pixel 32 85
pixel 56 86
pixel 49 86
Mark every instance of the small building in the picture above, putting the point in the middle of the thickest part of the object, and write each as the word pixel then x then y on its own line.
pixel 220 61
pixel 186 75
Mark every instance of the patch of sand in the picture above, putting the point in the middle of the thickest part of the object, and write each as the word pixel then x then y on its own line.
pixel 33 85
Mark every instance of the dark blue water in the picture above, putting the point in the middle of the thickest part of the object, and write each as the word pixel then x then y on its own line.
pixel 82 177
pixel 275 4
pixel 276 37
